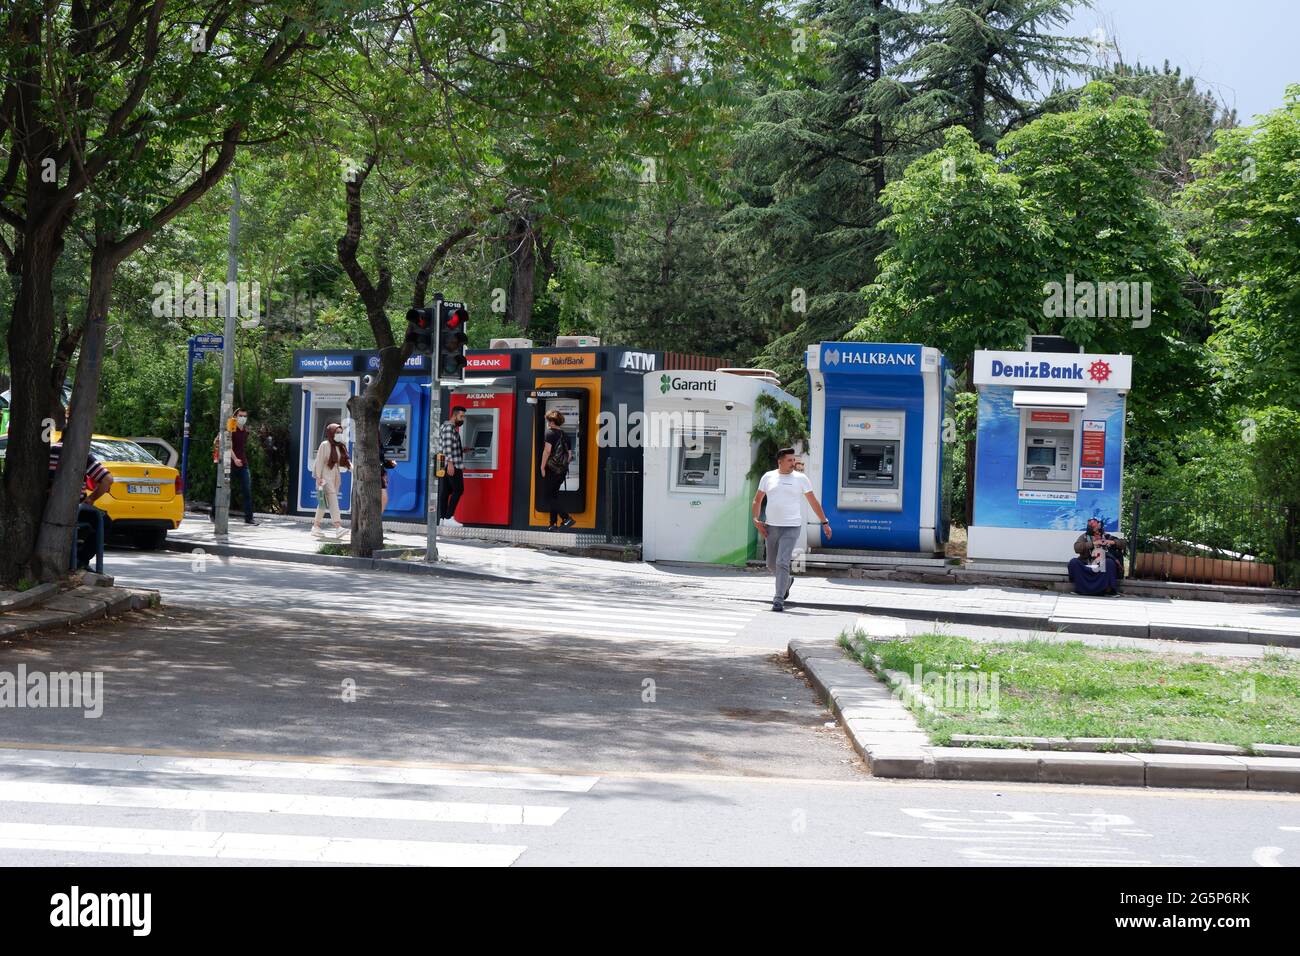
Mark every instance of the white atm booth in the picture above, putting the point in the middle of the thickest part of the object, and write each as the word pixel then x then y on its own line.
pixel 698 452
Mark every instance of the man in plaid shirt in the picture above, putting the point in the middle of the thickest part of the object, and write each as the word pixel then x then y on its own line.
pixel 452 485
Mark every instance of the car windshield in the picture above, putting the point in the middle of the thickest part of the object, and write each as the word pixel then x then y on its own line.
pixel 116 449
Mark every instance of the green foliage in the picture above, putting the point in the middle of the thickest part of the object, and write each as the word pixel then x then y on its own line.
pixel 1246 206
pixel 777 425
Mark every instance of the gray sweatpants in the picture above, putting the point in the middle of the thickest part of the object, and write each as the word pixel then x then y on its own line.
pixel 781 543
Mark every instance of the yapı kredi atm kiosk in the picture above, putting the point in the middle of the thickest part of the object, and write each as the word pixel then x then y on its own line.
pixel 1049 451
pixel 323 381
pixel 877 458
pixel 698 452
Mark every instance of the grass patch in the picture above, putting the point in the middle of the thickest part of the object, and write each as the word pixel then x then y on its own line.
pixel 335 547
pixel 1072 690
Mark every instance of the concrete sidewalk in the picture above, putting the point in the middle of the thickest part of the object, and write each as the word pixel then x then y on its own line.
pixel 977 605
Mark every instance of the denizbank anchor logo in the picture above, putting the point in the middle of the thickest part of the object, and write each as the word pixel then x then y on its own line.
pixel 671 383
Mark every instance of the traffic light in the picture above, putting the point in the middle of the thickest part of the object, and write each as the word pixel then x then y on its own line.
pixel 453 336
pixel 420 328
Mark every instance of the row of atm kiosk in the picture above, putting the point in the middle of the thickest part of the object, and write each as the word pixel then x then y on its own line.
pixel 1049 444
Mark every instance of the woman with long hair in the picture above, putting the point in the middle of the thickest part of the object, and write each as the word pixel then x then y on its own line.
pixel 331 461
pixel 555 458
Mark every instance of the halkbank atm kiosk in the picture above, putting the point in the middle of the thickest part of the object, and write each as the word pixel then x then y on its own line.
pixel 1049 452
pixel 323 381
pixel 877 460
pixel 698 454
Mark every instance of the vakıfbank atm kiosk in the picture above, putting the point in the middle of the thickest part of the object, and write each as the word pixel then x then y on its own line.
pixel 1049 452
pixel 323 381
pixel 698 452
pixel 877 460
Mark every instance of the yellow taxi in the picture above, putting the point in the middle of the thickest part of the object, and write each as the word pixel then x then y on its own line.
pixel 144 501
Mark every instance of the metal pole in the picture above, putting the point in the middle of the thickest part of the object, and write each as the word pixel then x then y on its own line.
pixel 435 416
pixel 189 398
pixel 228 368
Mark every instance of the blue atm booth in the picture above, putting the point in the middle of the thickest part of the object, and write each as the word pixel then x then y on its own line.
pixel 877 459
pixel 1049 453
pixel 323 381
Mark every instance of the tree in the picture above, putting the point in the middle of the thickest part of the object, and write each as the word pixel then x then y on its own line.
pixel 1246 211
pixel 116 118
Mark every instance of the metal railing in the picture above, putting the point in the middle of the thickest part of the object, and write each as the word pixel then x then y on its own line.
pixel 1249 543
pixel 623 490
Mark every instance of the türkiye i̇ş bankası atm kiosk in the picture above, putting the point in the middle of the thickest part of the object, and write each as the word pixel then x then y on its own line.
pixel 1049 451
pixel 877 459
pixel 697 434
pixel 323 381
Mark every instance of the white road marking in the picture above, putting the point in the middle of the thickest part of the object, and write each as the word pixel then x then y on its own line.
pixel 281 848
pixel 295 770
pixel 219 801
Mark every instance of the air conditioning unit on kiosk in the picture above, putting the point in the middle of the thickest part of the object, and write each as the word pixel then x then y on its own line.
pixel 577 341
pixel 510 344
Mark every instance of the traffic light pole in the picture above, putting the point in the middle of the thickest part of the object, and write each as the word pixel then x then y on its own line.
pixel 435 442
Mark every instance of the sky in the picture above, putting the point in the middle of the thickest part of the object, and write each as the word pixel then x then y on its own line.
pixel 1245 51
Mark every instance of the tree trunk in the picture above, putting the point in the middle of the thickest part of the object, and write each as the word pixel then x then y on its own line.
pixel 523 271
pixel 54 539
pixel 367 511
pixel 31 331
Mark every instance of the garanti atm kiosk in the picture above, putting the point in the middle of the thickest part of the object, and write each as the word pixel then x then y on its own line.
pixel 877 457
pixel 699 449
pixel 323 381
pixel 1049 453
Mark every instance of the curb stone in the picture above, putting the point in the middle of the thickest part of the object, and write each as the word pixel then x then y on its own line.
pixel 331 560
pixel 16 600
pixel 89 602
pixel 893 744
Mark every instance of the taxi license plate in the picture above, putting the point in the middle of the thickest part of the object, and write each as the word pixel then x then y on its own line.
pixel 143 489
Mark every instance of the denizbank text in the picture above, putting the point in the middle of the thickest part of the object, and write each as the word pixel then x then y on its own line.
pixel 1072 372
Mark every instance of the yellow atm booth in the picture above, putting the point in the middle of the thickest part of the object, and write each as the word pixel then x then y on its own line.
pixel 563 381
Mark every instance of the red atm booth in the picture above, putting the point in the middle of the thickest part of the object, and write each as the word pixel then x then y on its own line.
pixel 488 438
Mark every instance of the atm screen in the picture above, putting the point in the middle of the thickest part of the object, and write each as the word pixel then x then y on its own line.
pixel 1040 456
pixel 394 432
pixel 699 462
pixel 870 464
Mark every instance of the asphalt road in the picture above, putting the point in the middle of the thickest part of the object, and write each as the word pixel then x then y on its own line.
pixel 281 713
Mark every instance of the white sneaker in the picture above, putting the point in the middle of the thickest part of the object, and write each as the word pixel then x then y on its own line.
pixel 449 523
pixel 340 532
pixel 317 532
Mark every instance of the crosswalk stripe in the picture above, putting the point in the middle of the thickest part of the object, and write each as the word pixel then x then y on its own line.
pixel 301 804
pixel 299 770
pixel 283 848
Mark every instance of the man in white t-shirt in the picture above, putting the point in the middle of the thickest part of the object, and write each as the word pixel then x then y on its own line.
pixel 785 490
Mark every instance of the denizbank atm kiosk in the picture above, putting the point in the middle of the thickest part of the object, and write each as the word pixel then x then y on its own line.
pixel 1049 452
pixel 698 452
pixel 877 459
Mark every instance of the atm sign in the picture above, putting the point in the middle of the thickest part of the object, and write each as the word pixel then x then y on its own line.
pixel 494 362
pixel 1040 416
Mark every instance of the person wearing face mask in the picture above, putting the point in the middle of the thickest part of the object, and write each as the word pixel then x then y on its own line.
pixel 240 475
pixel 331 461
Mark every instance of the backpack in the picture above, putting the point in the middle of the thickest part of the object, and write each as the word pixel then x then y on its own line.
pixel 558 463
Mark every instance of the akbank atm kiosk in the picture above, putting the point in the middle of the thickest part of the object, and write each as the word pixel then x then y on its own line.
pixel 1049 452
pixel 323 381
pixel 697 436
pixel 877 459
pixel 488 441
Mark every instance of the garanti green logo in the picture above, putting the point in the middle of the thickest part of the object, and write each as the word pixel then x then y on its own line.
pixel 665 383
